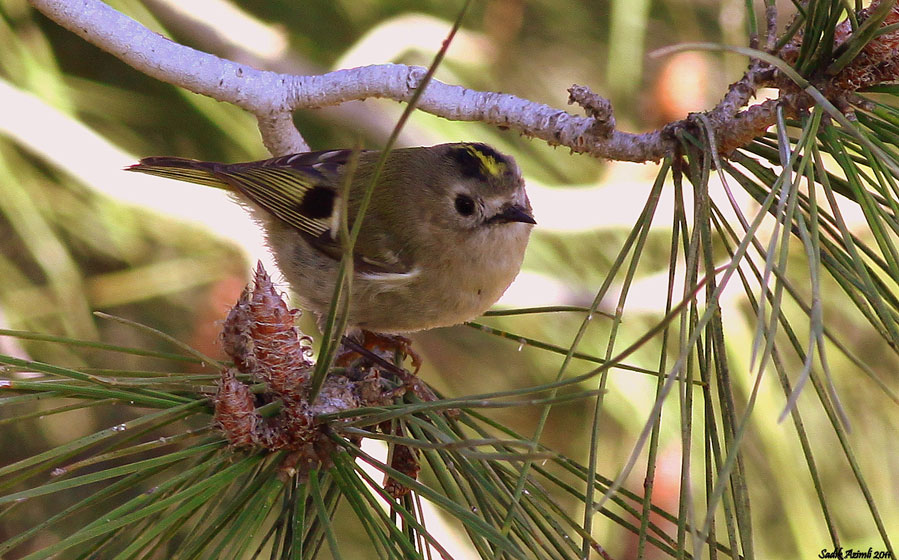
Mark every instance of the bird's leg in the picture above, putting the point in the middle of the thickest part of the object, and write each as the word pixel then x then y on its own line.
pixel 387 342
pixel 382 345
pixel 354 350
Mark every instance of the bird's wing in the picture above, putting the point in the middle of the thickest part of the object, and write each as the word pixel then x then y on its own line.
pixel 299 189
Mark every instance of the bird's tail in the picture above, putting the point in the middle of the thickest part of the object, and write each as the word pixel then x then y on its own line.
pixel 182 169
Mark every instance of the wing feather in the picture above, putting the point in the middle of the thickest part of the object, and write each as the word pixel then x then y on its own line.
pixel 282 186
pixel 282 192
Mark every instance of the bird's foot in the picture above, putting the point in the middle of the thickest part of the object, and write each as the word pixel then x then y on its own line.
pixel 382 349
pixel 384 346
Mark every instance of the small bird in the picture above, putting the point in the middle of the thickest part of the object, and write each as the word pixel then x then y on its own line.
pixel 443 237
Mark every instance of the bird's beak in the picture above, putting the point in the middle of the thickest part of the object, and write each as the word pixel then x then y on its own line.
pixel 513 213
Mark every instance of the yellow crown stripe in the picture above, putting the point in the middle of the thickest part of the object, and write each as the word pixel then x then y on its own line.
pixel 490 164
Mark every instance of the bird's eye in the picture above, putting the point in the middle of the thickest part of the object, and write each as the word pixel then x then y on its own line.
pixel 464 205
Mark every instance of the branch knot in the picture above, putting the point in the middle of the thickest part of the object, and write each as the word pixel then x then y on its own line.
pixel 597 108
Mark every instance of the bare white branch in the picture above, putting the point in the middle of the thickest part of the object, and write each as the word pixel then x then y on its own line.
pixel 272 96
pixel 280 135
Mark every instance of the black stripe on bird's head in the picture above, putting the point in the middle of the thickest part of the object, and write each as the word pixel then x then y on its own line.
pixel 479 161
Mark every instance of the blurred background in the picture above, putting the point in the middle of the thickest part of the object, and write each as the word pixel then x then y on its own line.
pixel 79 234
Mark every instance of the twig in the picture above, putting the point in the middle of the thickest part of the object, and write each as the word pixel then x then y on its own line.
pixel 273 96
